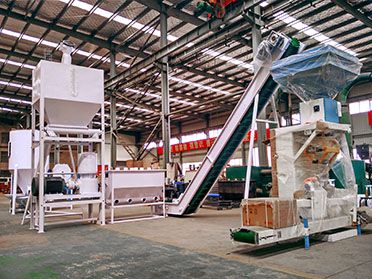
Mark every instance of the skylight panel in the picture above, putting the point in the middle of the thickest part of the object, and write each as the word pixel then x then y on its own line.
pixel 306 29
pixel 129 107
pixel 321 38
pixel 12 100
pixel 10 62
pixel 10 110
pixel 198 85
pixel 299 25
pixel 12 84
pixel 139 26
pixel 310 32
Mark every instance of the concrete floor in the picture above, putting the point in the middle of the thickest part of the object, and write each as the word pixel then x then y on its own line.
pixel 191 247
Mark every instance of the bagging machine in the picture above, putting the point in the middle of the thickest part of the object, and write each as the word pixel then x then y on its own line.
pixel 304 199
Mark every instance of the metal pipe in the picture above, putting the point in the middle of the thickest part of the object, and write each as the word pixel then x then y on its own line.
pixel 14 189
pixel 41 165
pixel 353 11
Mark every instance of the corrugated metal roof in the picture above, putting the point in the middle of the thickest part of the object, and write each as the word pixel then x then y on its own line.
pixel 196 77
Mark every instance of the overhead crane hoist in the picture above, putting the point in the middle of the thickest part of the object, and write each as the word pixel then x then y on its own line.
pixel 214 8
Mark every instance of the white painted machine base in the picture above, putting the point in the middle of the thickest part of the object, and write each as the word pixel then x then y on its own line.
pixel 268 236
pixel 123 219
pixel 339 235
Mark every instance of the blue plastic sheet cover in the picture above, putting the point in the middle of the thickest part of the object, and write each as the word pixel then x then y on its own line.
pixel 315 73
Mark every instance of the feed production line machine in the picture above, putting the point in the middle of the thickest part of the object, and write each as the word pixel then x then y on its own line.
pixel 67 98
pixel 120 192
pixel 60 97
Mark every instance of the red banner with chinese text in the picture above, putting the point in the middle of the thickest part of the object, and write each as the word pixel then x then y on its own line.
pixel 203 144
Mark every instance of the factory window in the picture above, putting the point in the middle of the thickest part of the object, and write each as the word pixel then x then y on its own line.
pixel 364 106
pixel 151 145
pixel 236 162
pixel 359 107
pixel 174 141
pixel 269 155
pixel 215 133
pixel 355 154
pixel 193 137
pixel 4 157
pixel 296 119
pixel 354 108
pixel 283 121
pixel 256 161
pixel 5 137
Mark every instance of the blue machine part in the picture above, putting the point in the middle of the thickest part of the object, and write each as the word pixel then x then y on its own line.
pixel 330 110
pixel 315 73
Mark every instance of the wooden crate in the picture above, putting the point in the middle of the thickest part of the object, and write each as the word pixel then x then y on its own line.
pixel 271 213
pixel 134 164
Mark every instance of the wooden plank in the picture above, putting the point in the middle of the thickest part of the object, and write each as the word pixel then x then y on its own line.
pixel 274 167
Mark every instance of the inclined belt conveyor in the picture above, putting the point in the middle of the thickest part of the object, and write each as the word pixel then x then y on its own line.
pixel 234 130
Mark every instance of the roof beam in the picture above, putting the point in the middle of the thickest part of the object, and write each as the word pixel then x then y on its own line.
pixel 214 76
pixel 172 11
pixel 20 55
pixel 75 34
pixel 17 108
pixel 195 34
pixel 182 67
pixel 182 3
pixel 8 76
pixel 353 11
pixel 9 94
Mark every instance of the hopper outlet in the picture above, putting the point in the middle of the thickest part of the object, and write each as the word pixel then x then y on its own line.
pixel 72 94
pixel 66 47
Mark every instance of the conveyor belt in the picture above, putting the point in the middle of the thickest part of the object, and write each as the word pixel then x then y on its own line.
pixel 200 186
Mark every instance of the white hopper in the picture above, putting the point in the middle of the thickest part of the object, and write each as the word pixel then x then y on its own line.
pixel 73 94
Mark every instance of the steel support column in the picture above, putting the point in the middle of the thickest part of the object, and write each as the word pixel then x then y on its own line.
pixel 113 123
pixel 179 126
pixel 244 154
pixel 261 127
pixel 57 154
pixel 165 89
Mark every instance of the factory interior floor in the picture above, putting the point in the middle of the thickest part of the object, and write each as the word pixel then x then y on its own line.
pixel 191 247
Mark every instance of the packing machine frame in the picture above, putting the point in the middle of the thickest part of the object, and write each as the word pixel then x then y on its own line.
pixel 64 136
